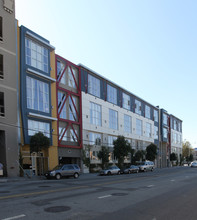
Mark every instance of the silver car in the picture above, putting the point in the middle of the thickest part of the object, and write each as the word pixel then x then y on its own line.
pixel 111 170
pixel 146 166
pixel 64 170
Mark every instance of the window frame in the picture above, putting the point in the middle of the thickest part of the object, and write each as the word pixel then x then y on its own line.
pixel 113 119
pixel 33 96
pixel 112 93
pixel 2 106
pixel 95 114
pixel 1 67
pixel 36 55
pixel 94 86
pixel 139 127
pixel 1 28
pixel 127 124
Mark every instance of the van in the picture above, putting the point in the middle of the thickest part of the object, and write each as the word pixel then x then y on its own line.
pixel 146 166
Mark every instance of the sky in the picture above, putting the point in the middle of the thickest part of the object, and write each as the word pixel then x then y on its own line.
pixel 148 47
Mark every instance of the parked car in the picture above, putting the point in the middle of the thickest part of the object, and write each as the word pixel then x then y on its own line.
pixel 110 170
pixel 64 170
pixel 194 164
pixel 131 169
pixel 146 166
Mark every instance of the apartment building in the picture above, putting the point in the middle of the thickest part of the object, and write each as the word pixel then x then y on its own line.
pixel 8 89
pixel 37 99
pixel 109 110
pixel 176 136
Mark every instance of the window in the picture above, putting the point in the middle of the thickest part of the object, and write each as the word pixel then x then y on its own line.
pixel 111 140
pixel 73 135
pixel 165 132
pixel 94 138
pixel 127 123
pixel 111 94
pixel 36 55
pixel 148 129
pixel 37 95
pixel 147 111
pixel 156 132
pixel 138 127
pixel 60 69
pixel 95 114
pixel 138 107
pixel 61 132
pixel 2 107
pixel 61 99
pixel 72 74
pixel 93 85
pixel 126 101
pixel 72 109
pixel 1 66
pixel 155 115
pixel 113 119
pixel 175 125
pixel 37 126
pixel 1 29
pixel 165 119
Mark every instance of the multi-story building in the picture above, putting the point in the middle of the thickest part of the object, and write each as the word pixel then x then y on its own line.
pixel 8 89
pixel 37 98
pixel 176 136
pixel 170 138
pixel 69 112
pixel 109 111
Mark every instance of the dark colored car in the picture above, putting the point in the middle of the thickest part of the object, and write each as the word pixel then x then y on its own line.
pixel 111 170
pixel 64 170
pixel 131 169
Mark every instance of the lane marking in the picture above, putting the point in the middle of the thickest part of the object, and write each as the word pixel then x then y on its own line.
pixel 14 217
pixel 42 192
pixel 102 197
pixel 150 186
pixel 172 180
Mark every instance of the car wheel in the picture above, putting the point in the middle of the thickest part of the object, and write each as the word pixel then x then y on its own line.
pixel 144 170
pixel 118 172
pixel 129 172
pixel 137 171
pixel 108 173
pixel 76 175
pixel 152 170
pixel 58 176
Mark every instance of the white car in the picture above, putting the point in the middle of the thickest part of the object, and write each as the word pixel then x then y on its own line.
pixel 111 170
pixel 194 164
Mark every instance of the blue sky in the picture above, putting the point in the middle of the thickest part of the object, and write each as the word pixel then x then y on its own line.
pixel 148 47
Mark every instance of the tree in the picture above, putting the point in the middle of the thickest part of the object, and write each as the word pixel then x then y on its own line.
pixel 39 142
pixel 103 155
pixel 121 149
pixel 173 157
pixel 151 152
pixel 139 155
pixel 187 151
pixel 86 156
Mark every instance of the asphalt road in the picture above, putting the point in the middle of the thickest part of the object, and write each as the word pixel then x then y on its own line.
pixel 163 194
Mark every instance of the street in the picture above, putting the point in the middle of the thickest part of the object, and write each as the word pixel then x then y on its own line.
pixel 168 193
